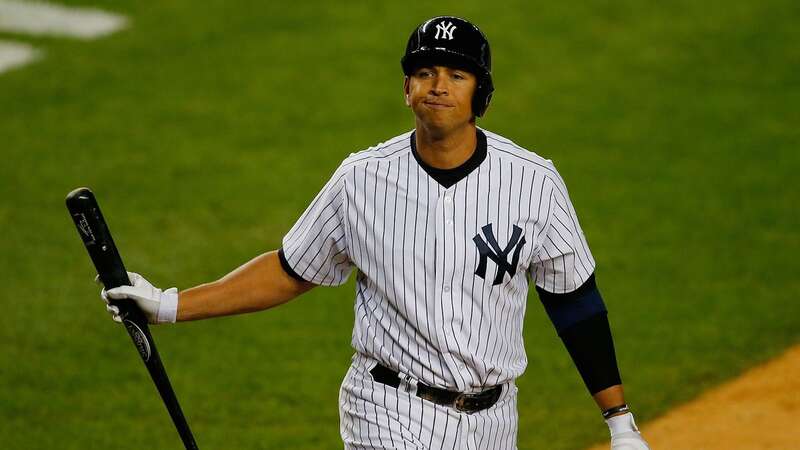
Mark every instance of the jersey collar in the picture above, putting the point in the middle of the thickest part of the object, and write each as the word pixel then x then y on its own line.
pixel 449 177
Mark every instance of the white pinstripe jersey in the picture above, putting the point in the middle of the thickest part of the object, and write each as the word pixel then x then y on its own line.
pixel 443 273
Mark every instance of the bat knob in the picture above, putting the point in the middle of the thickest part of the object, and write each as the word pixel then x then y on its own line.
pixel 82 196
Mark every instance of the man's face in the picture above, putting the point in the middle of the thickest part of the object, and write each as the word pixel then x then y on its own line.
pixel 441 97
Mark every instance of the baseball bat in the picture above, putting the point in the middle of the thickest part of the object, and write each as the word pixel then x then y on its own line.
pixel 97 239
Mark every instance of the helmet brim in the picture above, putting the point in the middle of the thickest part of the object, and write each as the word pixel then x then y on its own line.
pixel 427 57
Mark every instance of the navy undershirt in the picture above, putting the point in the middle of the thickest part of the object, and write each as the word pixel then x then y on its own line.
pixel 565 310
pixel 449 177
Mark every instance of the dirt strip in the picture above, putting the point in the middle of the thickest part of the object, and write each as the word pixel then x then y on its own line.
pixel 760 410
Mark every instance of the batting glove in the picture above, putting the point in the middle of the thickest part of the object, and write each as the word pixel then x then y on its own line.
pixel 158 306
pixel 624 434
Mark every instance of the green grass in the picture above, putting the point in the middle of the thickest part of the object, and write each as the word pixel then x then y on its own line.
pixel 206 128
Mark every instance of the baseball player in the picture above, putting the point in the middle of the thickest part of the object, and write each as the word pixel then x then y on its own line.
pixel 447 226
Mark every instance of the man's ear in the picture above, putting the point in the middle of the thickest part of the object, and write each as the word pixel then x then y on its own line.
pixel 407 90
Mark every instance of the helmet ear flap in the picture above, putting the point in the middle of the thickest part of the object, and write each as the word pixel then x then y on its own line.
pixel 486 104
pixel 481 98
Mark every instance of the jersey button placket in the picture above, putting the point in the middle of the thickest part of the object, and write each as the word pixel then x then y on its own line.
pixel 449 236
pixel 441 266
pixel 448 207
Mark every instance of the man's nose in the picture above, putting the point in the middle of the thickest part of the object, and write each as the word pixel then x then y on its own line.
pixel 439 86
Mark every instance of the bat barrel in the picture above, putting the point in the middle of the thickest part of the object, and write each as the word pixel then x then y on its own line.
pixel 91 224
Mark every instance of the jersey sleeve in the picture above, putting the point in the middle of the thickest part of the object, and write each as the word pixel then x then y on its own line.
pixel 562 261
pixel 316 247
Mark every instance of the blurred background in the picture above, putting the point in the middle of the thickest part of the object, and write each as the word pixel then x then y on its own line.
pixel 205 129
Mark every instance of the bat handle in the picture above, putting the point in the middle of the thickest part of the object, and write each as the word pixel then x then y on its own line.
pixel 136 325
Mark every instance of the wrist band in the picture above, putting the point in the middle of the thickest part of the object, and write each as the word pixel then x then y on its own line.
pixel 623 408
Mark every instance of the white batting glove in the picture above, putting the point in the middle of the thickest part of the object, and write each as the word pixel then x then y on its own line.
pixel 624 434
pixel 158 306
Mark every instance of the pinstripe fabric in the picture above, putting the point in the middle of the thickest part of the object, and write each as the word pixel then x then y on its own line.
pixel 376 416
pixel 443 274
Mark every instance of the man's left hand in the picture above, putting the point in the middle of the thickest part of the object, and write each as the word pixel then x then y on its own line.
pixel 624 434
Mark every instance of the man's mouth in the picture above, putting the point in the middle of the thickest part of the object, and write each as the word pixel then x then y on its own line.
pixel 437 105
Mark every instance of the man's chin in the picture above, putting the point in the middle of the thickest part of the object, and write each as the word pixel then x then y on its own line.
pixel 441 129
pixel 438 118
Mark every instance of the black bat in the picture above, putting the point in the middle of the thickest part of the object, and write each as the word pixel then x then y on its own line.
pixel 92 228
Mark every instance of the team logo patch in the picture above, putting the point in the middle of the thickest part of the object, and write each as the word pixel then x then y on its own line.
pixel 489 249
pixel 446 30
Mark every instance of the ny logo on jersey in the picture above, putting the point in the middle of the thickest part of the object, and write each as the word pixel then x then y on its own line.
pixel 500 257
pixel 446 29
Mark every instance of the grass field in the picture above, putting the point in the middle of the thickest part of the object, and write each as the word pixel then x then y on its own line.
pixel 205 128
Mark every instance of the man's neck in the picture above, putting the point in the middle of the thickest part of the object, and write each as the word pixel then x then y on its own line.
pixel 446 150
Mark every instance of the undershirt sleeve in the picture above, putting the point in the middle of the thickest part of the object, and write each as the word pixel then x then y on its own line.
pixel 581 321
pixel 565 310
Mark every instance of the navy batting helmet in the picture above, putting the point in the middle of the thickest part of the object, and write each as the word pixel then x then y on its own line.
pixel 453 42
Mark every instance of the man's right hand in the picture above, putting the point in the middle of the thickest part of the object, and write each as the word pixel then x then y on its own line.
pixel 157 305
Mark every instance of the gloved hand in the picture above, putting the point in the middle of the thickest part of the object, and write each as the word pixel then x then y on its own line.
pixel 157 305
pixel 624 434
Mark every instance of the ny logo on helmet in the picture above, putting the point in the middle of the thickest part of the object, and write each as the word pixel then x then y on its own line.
pixel 499 256
pixel 446 29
